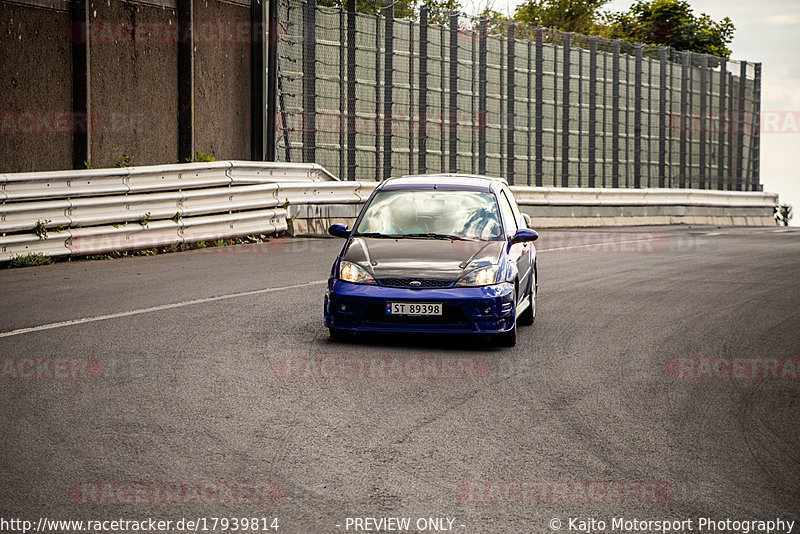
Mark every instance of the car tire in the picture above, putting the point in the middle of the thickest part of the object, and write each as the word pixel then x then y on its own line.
pixel 339 335
pixel 507 339
pixel 528 317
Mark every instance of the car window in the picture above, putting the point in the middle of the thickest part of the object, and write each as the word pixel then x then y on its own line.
pixel 508 214
pixel 515 208
pixel 468 214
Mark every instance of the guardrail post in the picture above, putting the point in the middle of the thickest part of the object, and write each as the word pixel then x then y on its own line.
pixel 502 82
pixel 565 90
pixel 482 119
pixel 539 109
pixel 740 178
pixel 615 115
pixel 411 100
pixel 731 131
pixel 388 80
pixel 422 139
pixel 637 119
pixel 662 117
pixel 442 100
pixel 703 119
pixel 309 81
pixel 510 96
pixel 453 122
pixel 351 89
pixel 473 101
pixel 185 80
pixel 721 123
pixel 342 92
pixel 267 146
pixel 261 87
pixel 592 142
pixel 529 129
pixel 81 93
pixel 755 140
pixel 684 116
pixel 379 123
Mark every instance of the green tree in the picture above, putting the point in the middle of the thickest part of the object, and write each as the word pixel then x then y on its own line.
pixel 567 15
pixel 497 23
pixel 439 10
pixel 671 23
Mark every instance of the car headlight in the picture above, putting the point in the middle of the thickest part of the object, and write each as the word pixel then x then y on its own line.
pixel 352 272
pixel 485 276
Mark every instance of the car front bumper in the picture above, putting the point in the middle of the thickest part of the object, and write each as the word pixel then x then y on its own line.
pixel 361 308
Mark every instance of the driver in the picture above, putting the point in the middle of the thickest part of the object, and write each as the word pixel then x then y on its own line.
pixel 404 219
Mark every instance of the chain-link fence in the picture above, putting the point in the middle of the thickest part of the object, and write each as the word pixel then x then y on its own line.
pixel 370 97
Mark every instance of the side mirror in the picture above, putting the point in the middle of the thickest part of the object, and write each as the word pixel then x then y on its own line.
pixel 524 235
pixel 339 230
pixel 527 219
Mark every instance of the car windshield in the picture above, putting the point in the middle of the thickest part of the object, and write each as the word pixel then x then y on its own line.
pixel 432 214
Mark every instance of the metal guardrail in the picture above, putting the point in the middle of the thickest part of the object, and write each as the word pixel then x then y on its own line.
pixel 102 210
pixel 560 196
pixel 99 182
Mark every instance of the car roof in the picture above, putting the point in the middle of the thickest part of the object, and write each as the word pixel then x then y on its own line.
pixel 453 182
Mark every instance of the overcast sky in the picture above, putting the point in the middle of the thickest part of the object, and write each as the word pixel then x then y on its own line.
pixel 767 31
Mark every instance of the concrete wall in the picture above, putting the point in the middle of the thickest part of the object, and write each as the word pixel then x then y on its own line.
pixel 134 86
pixel 315 219
pixel 133 82
pixel 222 81
pixel 35 89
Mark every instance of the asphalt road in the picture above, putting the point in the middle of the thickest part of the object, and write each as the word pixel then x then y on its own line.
pixel 211 369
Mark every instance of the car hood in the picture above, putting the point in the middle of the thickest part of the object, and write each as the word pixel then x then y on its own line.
pixel 421 258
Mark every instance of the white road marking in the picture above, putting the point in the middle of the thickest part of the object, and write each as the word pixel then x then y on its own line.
pixel 162 307
pixel 140 311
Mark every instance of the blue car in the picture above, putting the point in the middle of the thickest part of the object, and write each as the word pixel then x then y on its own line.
pixel 447 254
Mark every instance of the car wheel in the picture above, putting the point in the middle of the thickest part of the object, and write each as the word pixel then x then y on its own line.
pixel 339 335
pixel 507 339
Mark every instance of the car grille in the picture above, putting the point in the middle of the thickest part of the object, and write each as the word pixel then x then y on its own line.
pixel 376 313
pixel 414 283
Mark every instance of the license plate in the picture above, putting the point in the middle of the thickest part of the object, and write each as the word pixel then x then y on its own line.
pixel 413 308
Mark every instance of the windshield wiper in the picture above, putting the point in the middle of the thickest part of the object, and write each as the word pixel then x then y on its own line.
pixel 432 235
pixel 376 234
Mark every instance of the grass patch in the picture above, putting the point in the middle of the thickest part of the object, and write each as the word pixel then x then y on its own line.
pixel 35 258
pixel 178 247
pixel 29 260
pixel 202 157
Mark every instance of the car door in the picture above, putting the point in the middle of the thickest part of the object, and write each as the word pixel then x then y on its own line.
pixel 520 253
